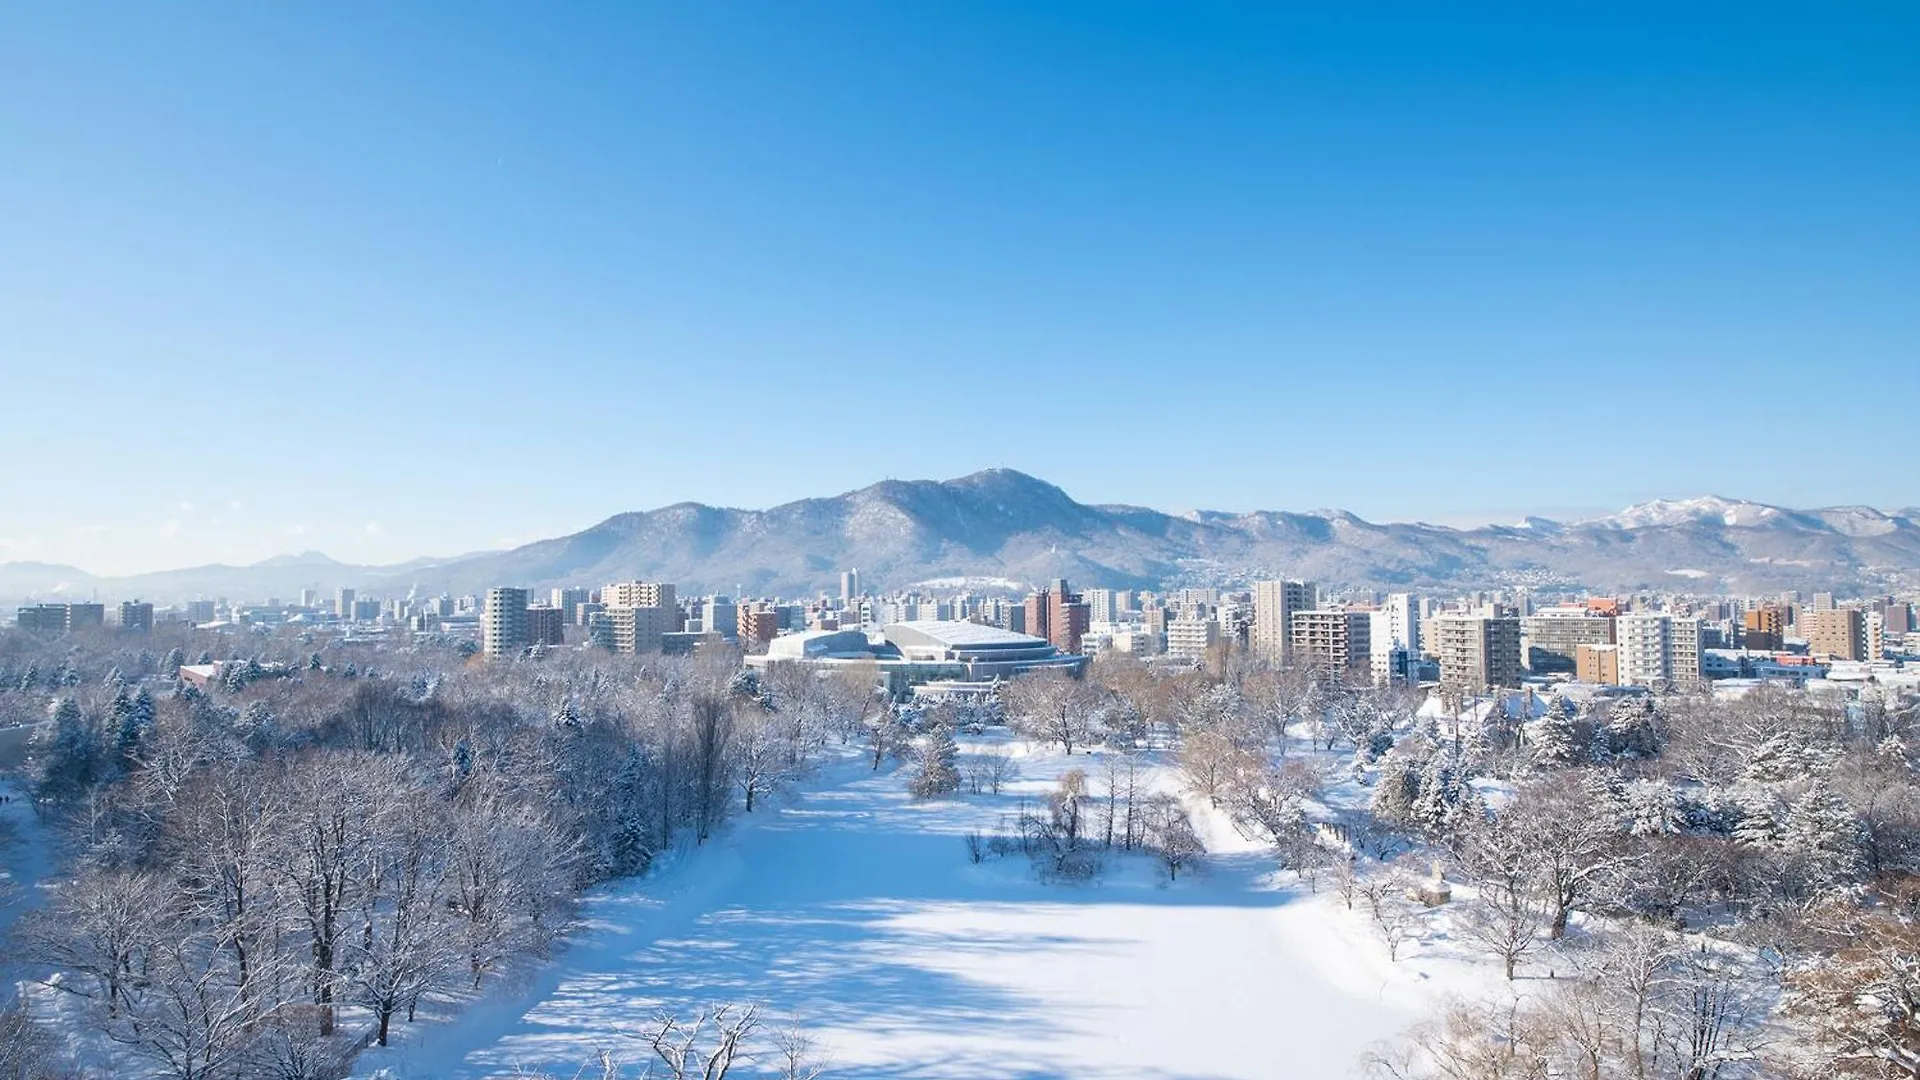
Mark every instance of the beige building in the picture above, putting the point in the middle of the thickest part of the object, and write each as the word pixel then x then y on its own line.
pixel 1840 633
pixel 1597 663
pixel 1333 641
pixel 1274 602
pixel 1476 652
pixel 639 594
pixel 629 630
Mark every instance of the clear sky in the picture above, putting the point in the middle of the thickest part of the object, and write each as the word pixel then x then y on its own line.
pixel 388 279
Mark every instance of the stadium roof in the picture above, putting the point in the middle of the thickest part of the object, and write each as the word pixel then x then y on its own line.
pixel 951 632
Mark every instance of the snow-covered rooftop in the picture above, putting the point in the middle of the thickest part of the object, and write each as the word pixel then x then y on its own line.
pixel 951 632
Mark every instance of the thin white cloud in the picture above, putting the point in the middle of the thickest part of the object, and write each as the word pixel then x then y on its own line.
pixel 297 530
pixel 374 529
pixel 170 529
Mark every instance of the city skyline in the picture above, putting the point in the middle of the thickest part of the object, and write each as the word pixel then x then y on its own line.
pixel 284 279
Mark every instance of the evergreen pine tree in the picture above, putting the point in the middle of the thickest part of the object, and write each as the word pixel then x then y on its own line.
pixel 1758 823
pixel 1822 827
pixel 1551 740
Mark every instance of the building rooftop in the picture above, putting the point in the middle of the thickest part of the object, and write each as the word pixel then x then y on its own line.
pixel 961 634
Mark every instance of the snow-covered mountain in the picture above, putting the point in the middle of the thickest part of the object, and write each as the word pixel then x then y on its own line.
pixel 1708 510
pixel 1007 526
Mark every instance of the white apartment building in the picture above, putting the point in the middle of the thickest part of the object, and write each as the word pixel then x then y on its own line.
pixel 1656 650
pixel 1101 605
pixel 1190 637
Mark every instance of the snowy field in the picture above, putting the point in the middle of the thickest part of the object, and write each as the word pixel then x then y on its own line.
pixel 856 911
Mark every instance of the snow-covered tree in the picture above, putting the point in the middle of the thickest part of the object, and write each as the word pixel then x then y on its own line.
pixel 937 772
pixel 1551 740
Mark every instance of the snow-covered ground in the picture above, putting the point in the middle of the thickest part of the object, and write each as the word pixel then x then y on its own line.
pixel 856 911
pixel 26 863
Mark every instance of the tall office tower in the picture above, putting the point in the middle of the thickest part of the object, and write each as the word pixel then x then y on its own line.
pixel 503 625
pixel 343 604
pixel 1823 601
pixel 1274 603
pixel 1476 652
pixel 1840 634
pixel 309 597
pixel 1333 642
pixel 849 585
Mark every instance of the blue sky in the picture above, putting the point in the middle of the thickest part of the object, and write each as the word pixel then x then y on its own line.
pixel 390 279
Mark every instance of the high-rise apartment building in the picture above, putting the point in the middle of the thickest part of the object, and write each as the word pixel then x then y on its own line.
pixel 658 594
pixel 343 605
pixel 1191 637
pixel 1059 615
pixel 136 616
pixel 1334 642
pixel 546 625
pixel 1840 634
pixel 568 600
pixel 503 624
pixel 850 585
pixel 1476 652
pixel 1645 649
pixel 628 630
pixel 1101 607
pixel 1274 603
pixel 1656 649
pixel 757 624
pixel 1874 625
pixel 1687 641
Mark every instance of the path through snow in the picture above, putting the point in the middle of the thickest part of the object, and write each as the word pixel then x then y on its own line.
pixel 856 910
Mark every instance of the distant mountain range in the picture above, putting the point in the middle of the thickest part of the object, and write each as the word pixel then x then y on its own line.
pixel 1007 529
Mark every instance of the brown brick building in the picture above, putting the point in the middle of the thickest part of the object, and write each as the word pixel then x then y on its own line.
pixel 1058 614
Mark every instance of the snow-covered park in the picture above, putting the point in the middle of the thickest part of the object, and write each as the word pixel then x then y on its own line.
pixel 855 912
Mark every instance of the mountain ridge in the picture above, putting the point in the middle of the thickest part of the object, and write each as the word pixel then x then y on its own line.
pixel 1005 524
